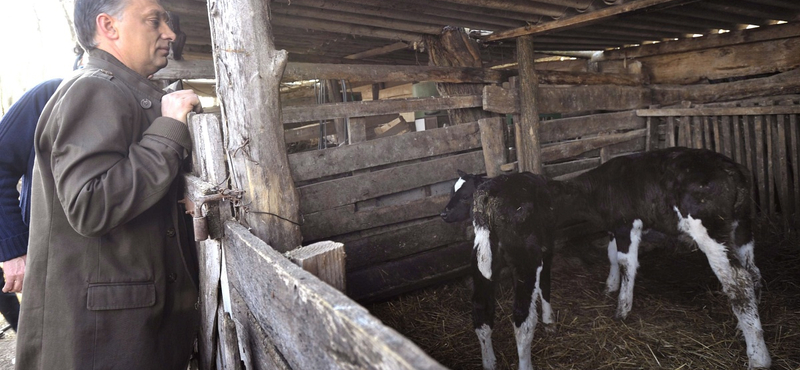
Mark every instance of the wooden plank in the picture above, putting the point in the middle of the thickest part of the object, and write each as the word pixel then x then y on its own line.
pixel 288 301
pixel 396 277
pixel 724 62
pixel 708 144
pixel 734 37
pixel 697 133
pixel 376 108
pixel 403 241
pixel 717 135
pixel 782 83
pixel 348 190
pixel 209 258
pixel 493 144
pixel 356 130
pixel 578 165
pixel 258 349
pixel 251 108
pixel 781 172
pixel 718 111
pixel 560 99
pixel 322 163
pixel 307 132
pixel 738 144
pixel 685 132
pixel 228 344
pixel 578 20
pixel 670 132
pixel 795 148
pixel 575 148
pixel 378 51
pixel 758 142
pixel 186 70
pixel 725 136
pixel 528 136
pixel 325 260
pixel 770 163
pixel 392 73
pixel 345 219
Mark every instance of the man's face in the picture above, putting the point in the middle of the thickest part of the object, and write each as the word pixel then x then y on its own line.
pixel 144 36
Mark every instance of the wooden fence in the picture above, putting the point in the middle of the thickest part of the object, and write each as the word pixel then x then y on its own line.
pixel 761 134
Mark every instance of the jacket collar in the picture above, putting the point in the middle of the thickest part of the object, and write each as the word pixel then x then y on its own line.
pixel 102 60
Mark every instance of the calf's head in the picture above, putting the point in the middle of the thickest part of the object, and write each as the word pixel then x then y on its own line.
pixel 460 205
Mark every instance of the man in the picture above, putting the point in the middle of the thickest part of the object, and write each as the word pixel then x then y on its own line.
pixel 111 278
pixel 16 161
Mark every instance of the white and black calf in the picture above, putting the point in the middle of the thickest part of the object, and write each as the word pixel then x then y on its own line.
pixel 676 191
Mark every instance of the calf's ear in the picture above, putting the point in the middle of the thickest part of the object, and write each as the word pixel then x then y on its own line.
pixel 461 174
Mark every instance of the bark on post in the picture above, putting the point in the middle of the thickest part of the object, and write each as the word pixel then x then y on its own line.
pixel 249 70
pixel 454 48
pixel 528 150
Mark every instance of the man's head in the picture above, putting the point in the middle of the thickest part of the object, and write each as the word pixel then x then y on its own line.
pixel 133 31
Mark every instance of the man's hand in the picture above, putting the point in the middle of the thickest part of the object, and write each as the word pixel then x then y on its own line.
pixel 14 270
pixel 178 104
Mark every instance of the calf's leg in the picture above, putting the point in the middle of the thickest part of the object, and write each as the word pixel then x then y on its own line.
pixel 543 287
pixel 483 296
pixel 526 292
pixel 737 284
pixel 612 282
pixel 628 259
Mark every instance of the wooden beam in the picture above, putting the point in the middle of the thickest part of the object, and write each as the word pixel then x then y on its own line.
pixel 287 300
pixel 186 69
pixel 527 7
pixel 527 131
pixel 774 32
pixel 257 151
pixel 493 144
pixel 723 111
pixel 569 99
pixel 783 83
pixel 378 51
pixel 345 28
pixel 417 145
pixel 578 20
pixel 392 73
pixel 355 18
pixel 376 108
pixel 325 260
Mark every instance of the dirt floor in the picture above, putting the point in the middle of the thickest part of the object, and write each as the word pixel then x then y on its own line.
pixel 680 318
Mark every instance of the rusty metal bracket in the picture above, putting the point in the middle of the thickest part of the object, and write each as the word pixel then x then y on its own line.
pixel 195 208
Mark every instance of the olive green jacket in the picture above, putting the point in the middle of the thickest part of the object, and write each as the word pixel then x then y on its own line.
pixel 111 274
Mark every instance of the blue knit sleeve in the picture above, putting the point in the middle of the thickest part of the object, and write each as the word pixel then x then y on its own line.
pixel 17 128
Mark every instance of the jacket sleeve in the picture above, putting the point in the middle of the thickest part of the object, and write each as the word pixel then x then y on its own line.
pixel 16 148
pixel 105 172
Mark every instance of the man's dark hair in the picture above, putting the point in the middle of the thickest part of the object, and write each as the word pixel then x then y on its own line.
pixel 86 12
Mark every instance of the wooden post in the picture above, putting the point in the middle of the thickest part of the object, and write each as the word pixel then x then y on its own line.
pixel 528 149
pixel 249 71
pixel 325 260
pixel 493 143
pixel 356 130
pixel 454 48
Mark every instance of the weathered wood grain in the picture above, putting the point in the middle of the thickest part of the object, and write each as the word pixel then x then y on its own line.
pixel 346 219
pixel 325 260
pixel 348 190
pixel 561 129
pixel 719 111
pixel 392 73
pixel 396 277
pixel 782 83
pixel 328 162
pixel 760 171
pixel 575 148
pixel 376 108
pixel 248 89
pixel 310 323
pixel 493 144
pixel 560 99
pixel 529 155
pixel 402 241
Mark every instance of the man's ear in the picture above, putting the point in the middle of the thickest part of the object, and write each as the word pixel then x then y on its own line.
pixel 106 26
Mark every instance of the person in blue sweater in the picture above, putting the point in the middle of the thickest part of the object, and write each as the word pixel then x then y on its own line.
pixel 16 161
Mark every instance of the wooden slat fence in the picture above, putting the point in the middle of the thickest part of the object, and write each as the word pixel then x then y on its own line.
pixel 760 134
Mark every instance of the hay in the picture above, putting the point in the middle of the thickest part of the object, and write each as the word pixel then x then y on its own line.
pixel 680 318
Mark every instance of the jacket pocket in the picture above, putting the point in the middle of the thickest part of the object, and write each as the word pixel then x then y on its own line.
pixel 120 296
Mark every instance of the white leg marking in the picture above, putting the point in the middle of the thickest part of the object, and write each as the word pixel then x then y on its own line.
pixel 524 333
pixel 739 289
pixel 547 311
pixel 630 262
pixel 458 184
pixel 612 283
pixel 484 248
pixel 487 352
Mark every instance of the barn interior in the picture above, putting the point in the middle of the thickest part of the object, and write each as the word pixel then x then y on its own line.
pixel 382 101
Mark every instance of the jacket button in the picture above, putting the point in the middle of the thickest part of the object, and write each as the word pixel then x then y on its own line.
pixel 171 232
pixel 146 103
pixel 172 277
